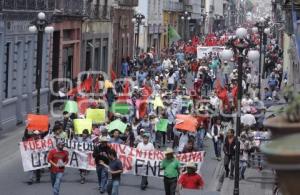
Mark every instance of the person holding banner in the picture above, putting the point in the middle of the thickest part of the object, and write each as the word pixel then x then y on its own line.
pixel 145 146
pixel 115 169
pixel 31 136
pixel 171 167
pixel 84 138
pixel 58 158
pixel 101 153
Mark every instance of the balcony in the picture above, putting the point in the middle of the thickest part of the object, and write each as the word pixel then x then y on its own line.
pixel 65 7
pixel 128 3
pixel 172 6
pixel 96 11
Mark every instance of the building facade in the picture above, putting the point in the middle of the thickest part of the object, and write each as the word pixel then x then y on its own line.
pixel 172 11
pixel 122 31
pixel 96 36
pixel 155 24
pixel 18 61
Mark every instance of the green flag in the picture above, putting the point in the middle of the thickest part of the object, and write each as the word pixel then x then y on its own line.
pixel 173 35
pixel 162 125
pixel 71 107
pixel 117 124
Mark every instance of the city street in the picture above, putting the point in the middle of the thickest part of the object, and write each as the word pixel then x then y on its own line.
pixel 13 179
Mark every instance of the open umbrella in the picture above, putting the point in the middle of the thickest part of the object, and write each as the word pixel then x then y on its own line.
pixel 186 122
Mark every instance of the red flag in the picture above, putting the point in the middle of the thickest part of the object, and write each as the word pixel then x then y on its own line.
pixel 126 88
pixel 146 92
pixel 218 85
pixel 142 110
pixel 222 94
pixel 195 41
pixel 82 104
pixel 97 87
pixel 234 93
pixel 87 83
pixel 113 75
pixel 73 92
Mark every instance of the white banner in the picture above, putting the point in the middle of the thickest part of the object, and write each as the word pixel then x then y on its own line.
pixel 135 162
pixel 203 51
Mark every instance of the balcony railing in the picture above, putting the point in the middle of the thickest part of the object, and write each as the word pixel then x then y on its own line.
pixel 129 3
pixel 172 6
pixel 94 11
pixel 73 7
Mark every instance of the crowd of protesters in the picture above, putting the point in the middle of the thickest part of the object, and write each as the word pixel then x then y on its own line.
pixel 203 88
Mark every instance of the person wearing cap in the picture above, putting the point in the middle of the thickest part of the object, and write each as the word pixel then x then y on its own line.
pixel 145 145
pixel 100 153
pixel 171 167
pixel 190 179
pixel 58 158
pixel 104 133
pixel 139 137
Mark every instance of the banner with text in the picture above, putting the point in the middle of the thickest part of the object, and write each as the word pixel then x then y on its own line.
pixel 135 162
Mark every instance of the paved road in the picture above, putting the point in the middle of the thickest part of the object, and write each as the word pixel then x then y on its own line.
pixel 13 179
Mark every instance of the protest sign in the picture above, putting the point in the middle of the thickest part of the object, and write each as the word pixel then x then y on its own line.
pixel 135 162
pixel 117 124
pixel 96 115
pixel 37 122
pixel 203 51
pixel 71 107
pixel 162 125
pixel 81 124
pixel 158 103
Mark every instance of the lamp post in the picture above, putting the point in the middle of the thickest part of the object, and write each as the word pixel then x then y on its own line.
pixel 262 29
pixel 138 19
pixel 40 25
pixel 186 18
pixel 241 48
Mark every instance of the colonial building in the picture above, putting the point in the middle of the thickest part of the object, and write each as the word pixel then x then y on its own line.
pixel 18 60
pixel 96 36
pixel 123 31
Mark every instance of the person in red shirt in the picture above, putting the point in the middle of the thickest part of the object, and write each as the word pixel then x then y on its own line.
pixel 58 158
pixel 190 179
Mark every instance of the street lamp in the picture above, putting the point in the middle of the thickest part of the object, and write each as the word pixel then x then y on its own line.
pixel 263 30
pixel 39 26
pixel 186 18
pixel 241 47
pixel 138 19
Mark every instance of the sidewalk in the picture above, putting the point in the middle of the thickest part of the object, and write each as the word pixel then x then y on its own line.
pixel 256 182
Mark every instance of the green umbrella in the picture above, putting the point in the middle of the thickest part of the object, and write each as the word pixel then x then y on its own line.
pixel 117 125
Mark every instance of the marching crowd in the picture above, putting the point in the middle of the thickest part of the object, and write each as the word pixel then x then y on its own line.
pixel 161 90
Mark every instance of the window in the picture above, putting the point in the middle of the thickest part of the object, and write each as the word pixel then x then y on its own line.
pixel 6 69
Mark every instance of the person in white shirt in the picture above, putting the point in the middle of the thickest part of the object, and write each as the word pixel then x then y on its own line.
pixel 214 100
pixel 166 63
pixel 248 118
pixel 183 140
pixel 145 146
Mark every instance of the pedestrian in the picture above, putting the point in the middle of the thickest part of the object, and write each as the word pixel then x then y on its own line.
pixel 101 153
pixel 217 137
pixel 116 137
pixel 115 169
pixel 190 179
pixel 229 151
pixel 84 139
pixel 171 167
pixel 145 146
pixel 58 158
pixel 32 136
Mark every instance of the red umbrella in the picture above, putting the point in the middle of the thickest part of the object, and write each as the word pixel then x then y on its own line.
pixel 186 122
